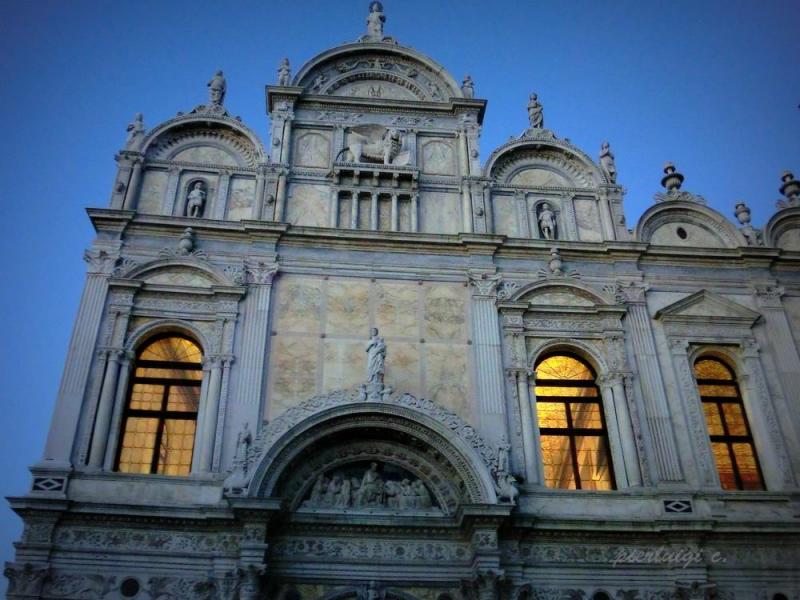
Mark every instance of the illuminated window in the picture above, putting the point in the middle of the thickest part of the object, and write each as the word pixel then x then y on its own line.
pixel 572 425
pixel 731 440
pixel 161 410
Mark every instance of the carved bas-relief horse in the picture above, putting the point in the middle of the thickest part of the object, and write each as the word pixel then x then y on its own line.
pixel 374 144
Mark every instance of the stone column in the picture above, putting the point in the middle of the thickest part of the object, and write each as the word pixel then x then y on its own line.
pixel 463 153
pixel 395 214
pixel 122 181
pixel 466 207
pixel 373 214
pixel 201 417
pixel 655 397
pixel 280 201
pixel 415 212
pixel 334 207
pixel 287 140
pixel 354 202
pixel 488 351
pixel 625 428
pixel 487 207
pixel 168 207
pixel 530 429
pixel 220 205
pixel 253 355
pixel 785 354
pixel 767 436
pixel 606 220
pixel 133 186
pixel 115 434
pixel 610 411
pixel 205 436
pixel 258 201
pixel 81 349
pixel 105 408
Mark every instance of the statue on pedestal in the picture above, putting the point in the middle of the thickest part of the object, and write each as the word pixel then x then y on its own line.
pixel 284 72
pixel 376 357
pixel 216 89
pixel 135 132
pixel 468 87
pixel 375 21
pixel 535 115
pixel 607 162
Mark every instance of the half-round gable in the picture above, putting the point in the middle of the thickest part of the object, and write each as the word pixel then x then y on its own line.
pixel 687 223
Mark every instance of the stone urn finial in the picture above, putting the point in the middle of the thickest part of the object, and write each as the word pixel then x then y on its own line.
pixel 742 212
pixel 186 242
pixel 672 180
pixel 790 187
pixel 555 263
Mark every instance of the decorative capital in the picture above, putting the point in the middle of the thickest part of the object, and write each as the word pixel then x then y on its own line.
pixel 261 272
pixel 769 296
pixel 485 283
pixel 679 346
pixel 100 262
pixel 632 293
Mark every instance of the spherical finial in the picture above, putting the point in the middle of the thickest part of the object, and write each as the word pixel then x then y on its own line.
pixel 672 180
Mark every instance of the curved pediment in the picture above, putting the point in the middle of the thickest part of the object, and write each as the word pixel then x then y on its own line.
pixel 179 271
pixel 561 293
pixel 686 223
pixel 377 71
pixel 783 230
pixel 542 164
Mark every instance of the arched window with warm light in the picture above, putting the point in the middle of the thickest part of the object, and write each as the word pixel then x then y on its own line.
pixel 160 418
pixel 731 440
pixel 572 425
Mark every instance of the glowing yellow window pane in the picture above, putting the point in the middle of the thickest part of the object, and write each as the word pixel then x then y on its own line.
pixel 551 414
pixel 593 463
pixel 558 472
pixel 563 367
pixel 177 442
pixel 570 392
pixel 713 419
pixel 138 442
pixel 724 466
pixel 711 369
pixel 146 396
pixel 718 391
pixel 183 398
pixel 169 373
pixel 748 467
pixel 734 419
pixel 173 349
pixel 586 415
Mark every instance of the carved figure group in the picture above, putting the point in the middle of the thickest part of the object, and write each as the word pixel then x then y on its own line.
pixel 607 162
pixel 535 115
pixel 547 222
pixel 196 200
pixel 370 491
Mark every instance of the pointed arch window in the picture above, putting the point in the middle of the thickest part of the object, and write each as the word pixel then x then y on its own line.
pixel 160 418
pixel 731 439
pixel 572 425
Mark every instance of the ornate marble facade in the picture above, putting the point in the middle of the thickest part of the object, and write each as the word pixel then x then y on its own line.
pixel 421 468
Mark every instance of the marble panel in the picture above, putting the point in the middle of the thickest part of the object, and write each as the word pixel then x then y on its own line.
pixel 790 240
pixel 241 196
pixel 396 309
pixel 184 277
pixel 293 369
pixel 589 229
pixel 695 236
pixel 440 212
pixel 345 214
pixel 308 205
pixel 792 307
pixel 447 377
pixel 364 212
pixel 312 149
pixel 438 157
pixel 298 304
pixel 404 216
pixel 505 215
pixel 559 299
pixel 539 178
pixel 347 308
pixel 445 312
pixel 151 195
pixel 403 367
pixel 385 214
pixel 344 364
pixel 207 155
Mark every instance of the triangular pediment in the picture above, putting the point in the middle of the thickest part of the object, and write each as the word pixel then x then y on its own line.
pixel 707 306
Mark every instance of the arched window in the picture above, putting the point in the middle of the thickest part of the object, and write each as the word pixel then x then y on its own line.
pixel 160 416
pixel 731 440
pixel 572 425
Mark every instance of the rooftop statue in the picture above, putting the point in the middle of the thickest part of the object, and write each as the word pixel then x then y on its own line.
pixel 375 22
pixel 607 162
pixel 535 115
pixel 216 89
pixel 284 73
pixel 468 87
pixel 135 132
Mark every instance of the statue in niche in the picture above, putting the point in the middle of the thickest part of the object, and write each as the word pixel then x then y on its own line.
pixel 607 162
pixel 196 200
pixel 535 115
pixel 284 72
pixel 135 131
pixel 547 222
pixel 376 357
pixel 468 87
pixel 375 22
pixel 503 449
pixel 216 89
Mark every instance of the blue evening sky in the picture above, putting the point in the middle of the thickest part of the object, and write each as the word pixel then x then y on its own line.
pixel 713 86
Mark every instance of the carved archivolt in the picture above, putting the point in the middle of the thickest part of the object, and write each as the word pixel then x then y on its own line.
pixel 468 458
pixel 567 162
pixel 238 147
